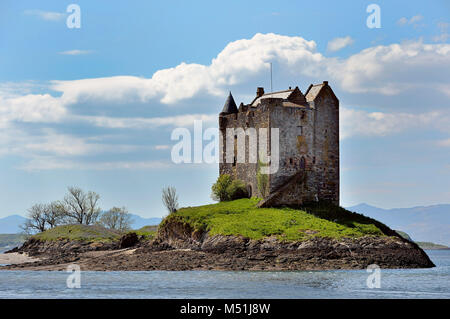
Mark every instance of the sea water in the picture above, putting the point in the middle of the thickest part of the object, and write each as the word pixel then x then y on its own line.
pixel 394 283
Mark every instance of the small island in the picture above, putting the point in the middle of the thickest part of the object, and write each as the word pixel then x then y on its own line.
pixel 230 235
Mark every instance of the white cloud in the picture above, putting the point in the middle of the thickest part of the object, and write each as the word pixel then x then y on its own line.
pixel 31 108
pixel 339 43
pixel 75 52
pixel 372 124
pixel 392 69
pixel 46 15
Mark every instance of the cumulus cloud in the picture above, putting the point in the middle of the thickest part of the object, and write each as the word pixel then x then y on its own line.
pixel 237 62
pixel 393 69
pixel 339 43
pixel 31 108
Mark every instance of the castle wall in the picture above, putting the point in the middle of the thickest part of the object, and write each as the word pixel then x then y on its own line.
pixel 252 118
pixel 296 127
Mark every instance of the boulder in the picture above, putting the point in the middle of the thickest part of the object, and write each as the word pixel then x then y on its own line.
pixel 128 240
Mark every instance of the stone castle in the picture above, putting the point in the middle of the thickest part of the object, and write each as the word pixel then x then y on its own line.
pixel 308 126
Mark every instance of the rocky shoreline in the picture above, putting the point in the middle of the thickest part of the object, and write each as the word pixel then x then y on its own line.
pixel 177 247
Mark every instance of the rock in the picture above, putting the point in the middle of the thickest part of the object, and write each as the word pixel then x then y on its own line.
pixel 128 240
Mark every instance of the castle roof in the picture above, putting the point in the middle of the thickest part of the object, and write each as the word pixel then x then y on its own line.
pixel 313 91
pixel 230 105
pixel 292 94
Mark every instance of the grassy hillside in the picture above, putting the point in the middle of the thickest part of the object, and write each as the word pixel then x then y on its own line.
pixel 148 232
pixel 242 217
pixel 79 232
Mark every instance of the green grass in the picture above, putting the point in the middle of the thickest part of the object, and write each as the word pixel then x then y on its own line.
pixel 242 217
pixel 80 233
pixel 146 232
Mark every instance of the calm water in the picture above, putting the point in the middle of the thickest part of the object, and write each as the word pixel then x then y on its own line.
pixel 413 283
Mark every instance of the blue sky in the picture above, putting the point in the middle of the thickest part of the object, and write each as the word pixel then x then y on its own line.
pixel 95 106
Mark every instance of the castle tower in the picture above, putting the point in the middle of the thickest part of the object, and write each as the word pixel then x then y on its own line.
pixel 308 128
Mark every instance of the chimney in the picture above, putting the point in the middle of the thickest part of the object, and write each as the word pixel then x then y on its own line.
pixel 259 91
pixel 325 82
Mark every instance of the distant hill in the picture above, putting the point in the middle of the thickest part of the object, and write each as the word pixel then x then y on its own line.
pixel 139 222
pixel 10 224
pixel 422 223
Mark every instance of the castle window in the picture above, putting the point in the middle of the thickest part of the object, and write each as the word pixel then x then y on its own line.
pixel 291 161
pixel 234 160
pixel 300 130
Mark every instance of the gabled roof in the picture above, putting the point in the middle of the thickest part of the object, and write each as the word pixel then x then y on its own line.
pixel 315 89
pixel 293 95
pixel 230 105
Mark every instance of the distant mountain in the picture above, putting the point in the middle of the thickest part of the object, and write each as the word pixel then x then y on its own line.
pixel 138 221
pixel 10 224
pixel 422 223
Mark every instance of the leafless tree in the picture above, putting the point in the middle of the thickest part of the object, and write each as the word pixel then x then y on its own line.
pixel 36 221
pixel 170 198
pixel 80 207
pixel 116 218
pixel 54 214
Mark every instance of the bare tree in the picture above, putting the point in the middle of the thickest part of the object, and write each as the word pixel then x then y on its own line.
pixel 80 207
pixel 170 198
pixel 54 214
pixel 116 218
pixel 36 221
